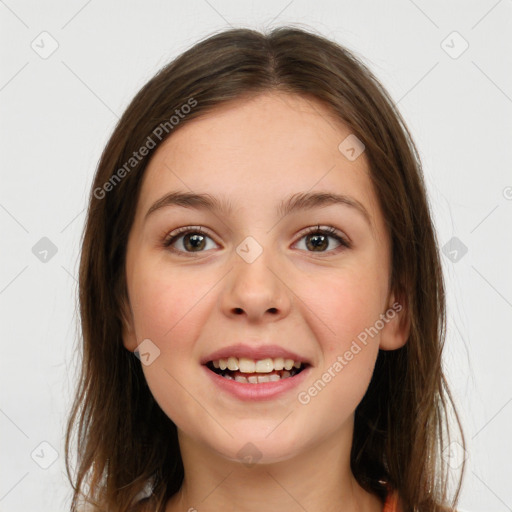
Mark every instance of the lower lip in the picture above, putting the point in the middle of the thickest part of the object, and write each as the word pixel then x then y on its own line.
pixel 260 391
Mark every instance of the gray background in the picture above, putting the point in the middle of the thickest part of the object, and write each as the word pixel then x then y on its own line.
pixel 58 109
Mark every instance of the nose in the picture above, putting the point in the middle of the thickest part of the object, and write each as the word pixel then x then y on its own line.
pixel 256 290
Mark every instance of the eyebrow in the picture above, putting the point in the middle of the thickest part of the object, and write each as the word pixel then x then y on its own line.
pixel 296 202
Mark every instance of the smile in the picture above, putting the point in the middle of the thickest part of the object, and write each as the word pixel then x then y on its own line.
pixel 258 377
pixel 250 371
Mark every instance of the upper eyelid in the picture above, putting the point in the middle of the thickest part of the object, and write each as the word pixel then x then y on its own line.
pixel 184 230
pixel 328 230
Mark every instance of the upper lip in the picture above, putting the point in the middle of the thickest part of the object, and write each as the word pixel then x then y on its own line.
pixel 253 352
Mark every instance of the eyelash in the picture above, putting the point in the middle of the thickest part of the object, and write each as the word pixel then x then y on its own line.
pixel 330 231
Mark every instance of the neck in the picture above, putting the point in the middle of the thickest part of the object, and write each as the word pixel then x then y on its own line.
pixel 318 478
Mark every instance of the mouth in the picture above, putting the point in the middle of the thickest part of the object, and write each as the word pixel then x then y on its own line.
pixel 251 371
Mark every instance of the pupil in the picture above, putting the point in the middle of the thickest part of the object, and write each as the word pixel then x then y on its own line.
pixel 195 241
pixel 316 243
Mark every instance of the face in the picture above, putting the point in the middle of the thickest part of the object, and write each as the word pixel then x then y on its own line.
pixel 309 281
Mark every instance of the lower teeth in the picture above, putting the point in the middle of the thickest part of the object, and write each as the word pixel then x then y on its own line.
pixel 253 379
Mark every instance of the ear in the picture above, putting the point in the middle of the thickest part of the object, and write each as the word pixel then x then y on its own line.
pixel 129 337
pixel 397 324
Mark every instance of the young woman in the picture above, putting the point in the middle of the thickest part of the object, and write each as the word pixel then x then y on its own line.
pixel 261 294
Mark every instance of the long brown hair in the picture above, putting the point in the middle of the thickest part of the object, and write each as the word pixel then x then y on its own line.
pixel 125 444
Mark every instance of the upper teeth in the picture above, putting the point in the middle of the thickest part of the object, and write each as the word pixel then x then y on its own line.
pixel 246 365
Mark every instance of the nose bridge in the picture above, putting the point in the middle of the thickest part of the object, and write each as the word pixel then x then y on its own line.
pixel 254 286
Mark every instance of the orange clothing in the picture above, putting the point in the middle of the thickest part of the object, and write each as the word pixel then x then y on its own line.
pixel 391 504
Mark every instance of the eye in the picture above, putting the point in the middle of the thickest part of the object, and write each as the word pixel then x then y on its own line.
pixel 193 239
pixel 317 239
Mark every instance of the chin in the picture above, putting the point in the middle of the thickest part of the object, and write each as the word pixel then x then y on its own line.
pixel 256 446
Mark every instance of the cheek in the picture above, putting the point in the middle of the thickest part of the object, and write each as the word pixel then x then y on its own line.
pixel 170 309
pixel 339 310
pixel 164 300
pixel 340 317
pixel 341 306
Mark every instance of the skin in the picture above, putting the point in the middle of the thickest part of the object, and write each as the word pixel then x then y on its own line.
pixel 255 153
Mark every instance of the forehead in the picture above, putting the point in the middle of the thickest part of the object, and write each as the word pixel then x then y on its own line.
pixel 254 151
pixel 272 128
